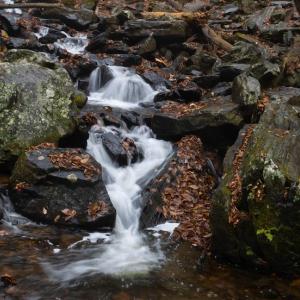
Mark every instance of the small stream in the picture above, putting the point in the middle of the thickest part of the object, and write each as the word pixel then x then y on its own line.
pixel 58 263
pixel 50 262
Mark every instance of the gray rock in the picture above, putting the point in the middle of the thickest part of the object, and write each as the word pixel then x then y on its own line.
pixel 61 195
pixel 268 202
pixel 246 90
pixel 172 30
pixel 213 114
pixel 35 102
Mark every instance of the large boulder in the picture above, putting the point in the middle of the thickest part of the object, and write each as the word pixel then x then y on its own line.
pixel 35 102
pixel 176 119
pixel 162 31
pixel 256 209
pixel 77 19
pixel 61 186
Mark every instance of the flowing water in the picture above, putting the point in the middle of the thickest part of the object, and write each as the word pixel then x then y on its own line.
pixel 126 90
pixel 49 262
pixel 126 252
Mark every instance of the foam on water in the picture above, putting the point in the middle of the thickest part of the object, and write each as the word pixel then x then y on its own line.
pixel 126 90
pixel 73 44
pixel 13 10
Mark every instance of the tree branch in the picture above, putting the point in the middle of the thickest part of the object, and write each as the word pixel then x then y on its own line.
pixel 30 5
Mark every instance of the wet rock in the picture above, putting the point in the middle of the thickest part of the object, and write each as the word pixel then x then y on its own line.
pixel 62 187
pixel 77 19
pixel 78 66
pixel 10 24
pixel 163 31
pixel 52 36
pixel 30 44
pixel 97 44
pixel 255 215
pixel 35 103
pixel 246 91
pixel 120 151
pixel 176 119
pixel 100 77
pixel 156 81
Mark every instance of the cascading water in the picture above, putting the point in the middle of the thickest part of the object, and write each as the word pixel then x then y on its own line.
pixel 125 90
pixel 10 218
pixel 73 44
pixel 126 251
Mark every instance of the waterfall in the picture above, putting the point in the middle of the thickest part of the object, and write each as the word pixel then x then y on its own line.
pixel 126 251
pixel 73 44
pixel 10 219
pixel 125 90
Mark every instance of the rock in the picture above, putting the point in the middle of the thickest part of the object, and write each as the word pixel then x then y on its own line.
pixel 189 91
pixel 207 81
pixel 245 53
pixel 174 119
pixel 229 71
pixel 77 19
pixel 246 91
pixel 10 24
pixel 255 214
pixel 79 67
pixel 163 31
pixel 127 60
pixel 297 4
pixel 147 46
pixel 100 77
pixel 121 151
pixel 266 72
pixel 156 81
pixel 35 103
pixel 97 44
pixel 30 44
pixel 52 36
pixel 62 187
pixel 222 89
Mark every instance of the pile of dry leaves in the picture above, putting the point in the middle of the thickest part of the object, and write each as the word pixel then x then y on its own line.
pixel 235 186
pixel 74 160
pixel 188 198
pixel 182 109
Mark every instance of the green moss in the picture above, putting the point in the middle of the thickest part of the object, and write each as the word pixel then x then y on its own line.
pixel 268 233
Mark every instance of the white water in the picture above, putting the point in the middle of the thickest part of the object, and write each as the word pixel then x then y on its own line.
pixel 11 220
pixel 13 10
pixel 126 250
pixel 126 90
pixel 73 44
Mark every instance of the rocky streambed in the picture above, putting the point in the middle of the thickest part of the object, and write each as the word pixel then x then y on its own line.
pixel 149 150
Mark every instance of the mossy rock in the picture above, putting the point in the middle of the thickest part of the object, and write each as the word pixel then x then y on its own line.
pixel 269 172
pixel 35 103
